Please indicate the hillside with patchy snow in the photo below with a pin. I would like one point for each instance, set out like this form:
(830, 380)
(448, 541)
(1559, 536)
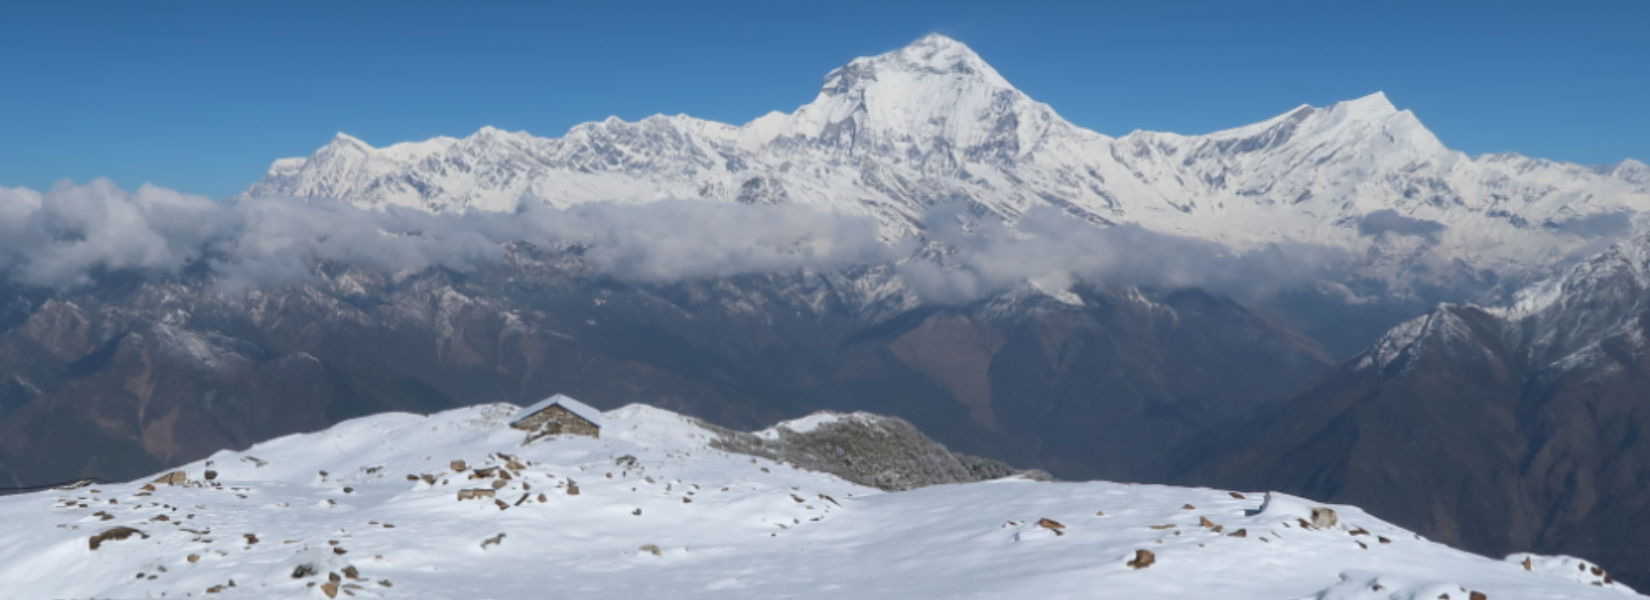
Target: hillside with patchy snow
(454, 505)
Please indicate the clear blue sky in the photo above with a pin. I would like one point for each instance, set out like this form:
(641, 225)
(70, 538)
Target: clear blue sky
(202, 96)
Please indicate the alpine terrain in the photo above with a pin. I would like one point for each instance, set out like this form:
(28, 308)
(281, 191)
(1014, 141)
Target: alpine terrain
(894, 135)
(1524, 425)
(456, 505)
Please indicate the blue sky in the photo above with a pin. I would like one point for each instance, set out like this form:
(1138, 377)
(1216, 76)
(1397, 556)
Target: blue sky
(200, 96)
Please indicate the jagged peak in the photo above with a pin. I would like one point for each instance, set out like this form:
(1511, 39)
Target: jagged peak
(933, 54)
(1373, 106)
(344, 139)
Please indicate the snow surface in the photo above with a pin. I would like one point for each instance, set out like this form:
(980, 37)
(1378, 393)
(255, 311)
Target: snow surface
(658, 513)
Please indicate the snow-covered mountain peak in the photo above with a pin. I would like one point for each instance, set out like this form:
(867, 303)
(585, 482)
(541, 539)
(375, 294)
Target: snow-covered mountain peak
(938, 54)
(1373, 106)
(890, 136)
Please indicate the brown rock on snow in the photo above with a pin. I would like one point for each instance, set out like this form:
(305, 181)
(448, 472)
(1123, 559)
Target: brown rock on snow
(1142, 559)
(1239, 533)
(1205, 522)
(457, 465)
(1324, 518)
(330, 588)
(173, 478)
(473, 493)
(114, 534)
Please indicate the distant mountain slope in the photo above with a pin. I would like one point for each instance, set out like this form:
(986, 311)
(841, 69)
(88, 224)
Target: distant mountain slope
(1489, 428)
(896, 134)
(127, 376)
(455, 505)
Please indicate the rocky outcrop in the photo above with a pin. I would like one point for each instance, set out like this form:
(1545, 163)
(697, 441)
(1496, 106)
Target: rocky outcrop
(874, 450)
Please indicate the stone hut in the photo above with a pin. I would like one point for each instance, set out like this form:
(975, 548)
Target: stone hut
(558, 415)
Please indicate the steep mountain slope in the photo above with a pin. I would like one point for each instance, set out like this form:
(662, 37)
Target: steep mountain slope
(158, 372)
(1524, 424)
(896, 134)
(455, 505)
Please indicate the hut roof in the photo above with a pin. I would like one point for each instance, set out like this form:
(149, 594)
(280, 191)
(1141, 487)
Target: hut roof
(584, 411)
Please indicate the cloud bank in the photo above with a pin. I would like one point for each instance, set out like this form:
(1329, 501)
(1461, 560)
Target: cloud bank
(67, 235)
(1054, 252)
(64, 236)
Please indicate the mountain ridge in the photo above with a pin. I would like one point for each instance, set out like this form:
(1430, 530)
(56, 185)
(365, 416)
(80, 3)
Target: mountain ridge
(895, 135)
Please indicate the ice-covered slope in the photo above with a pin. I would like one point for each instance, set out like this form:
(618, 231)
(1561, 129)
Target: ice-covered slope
(894, 134)
(373, 508)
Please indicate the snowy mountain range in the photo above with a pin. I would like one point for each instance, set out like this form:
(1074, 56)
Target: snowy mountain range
(456, 505)
(894, 135)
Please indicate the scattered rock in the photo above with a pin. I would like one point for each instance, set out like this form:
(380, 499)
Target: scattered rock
(1051, 525)
(1236, 495)
(330, 588)
(501, 505)
(173, 478)
(193, 558)
(1239, 533)
(499, 484)
(543, 498)
(251, 538)
(1205, 522)
(1188, 507)
(1382, 539)
(651, 548)
(1142, 559)
(211, 475)
(148, 487)
(473, 493)
(572, 488)
(114, 534)
(457, 466)
(492, 541)
(1324, 518)
(1477, 596)
(1528, 565)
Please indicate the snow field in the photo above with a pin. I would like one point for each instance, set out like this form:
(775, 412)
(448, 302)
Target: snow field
(650, 510)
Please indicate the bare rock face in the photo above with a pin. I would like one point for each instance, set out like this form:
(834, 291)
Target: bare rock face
(879, 451)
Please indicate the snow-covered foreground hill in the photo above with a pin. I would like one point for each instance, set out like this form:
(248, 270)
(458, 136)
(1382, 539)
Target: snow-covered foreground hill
(373, 508)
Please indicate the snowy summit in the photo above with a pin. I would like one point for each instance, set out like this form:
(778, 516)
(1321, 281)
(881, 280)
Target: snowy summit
(456, 505)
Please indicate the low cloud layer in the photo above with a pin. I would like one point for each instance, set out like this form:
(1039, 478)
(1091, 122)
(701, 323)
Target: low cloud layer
(66, 235)
(1387, 220)
(1054, 252)
(1613, 224)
